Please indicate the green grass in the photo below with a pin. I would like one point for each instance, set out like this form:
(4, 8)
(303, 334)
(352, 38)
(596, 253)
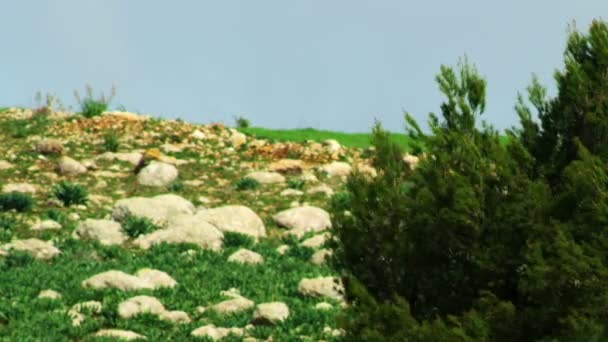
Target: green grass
(359, 140)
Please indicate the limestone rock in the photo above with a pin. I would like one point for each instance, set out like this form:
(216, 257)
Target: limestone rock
(287, 166)
(245, 256)
(50, 294)
(128, 116)
(329, 287)
(119, 334)
(107, 232)
(216, 333)
(68, 166)
(46, 225)
(291, 192)
(130, 157)
(265, 177)
(19, 187)
(234, 218)
(301, 220)
(184, 229)
(157, 174)
(321, 188)
(233, 305)
(158, 209)
(270, 313)
(50, 146)
(336, 169)
(237, 138)
(39, 249)
(140, 304)
(321, 256)
(332, 146)
(126, 282)
(4, 165)
(316, 241)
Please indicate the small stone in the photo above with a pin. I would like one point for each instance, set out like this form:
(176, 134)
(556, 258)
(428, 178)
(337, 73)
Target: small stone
(19, 187)
(70, 167)
(245, 256)
(282, 249)
(50, 294)
(50, 146)
(321, 256)
(46, 225)
(270, 313)
(119, 334)
(323, 306)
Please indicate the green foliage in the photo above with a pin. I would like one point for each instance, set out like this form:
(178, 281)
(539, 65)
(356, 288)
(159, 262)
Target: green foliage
(297, 184)
(18, 201)
(111, 142)
(18, 129)
(232, 239)
(91, 107)
(479, 242)
(246, 184)
(7, 227)
(135, 226)
(176, 186)
(70, 194)
(577, 113)
(241, 122)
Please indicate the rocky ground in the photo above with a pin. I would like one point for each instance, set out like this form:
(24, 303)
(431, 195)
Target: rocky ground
(225, 260)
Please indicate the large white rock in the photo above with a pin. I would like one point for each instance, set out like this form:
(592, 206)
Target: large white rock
(50, 294)
(157, 174)
(138, 305)
(321, 256)
(336, 168)
(288, 166)
(216, 333)
(316, 241)
(46, 225)
(4, 165)
(233, 305)
(126, 282)
(39, 249)
(128, 116)
(270, 313)
(329, 287)
(237, 138)
(130, 157)
(158, 209)
(265, 177)
(19, 187)
(49, 146)
(107, 232)
(234, 218)
(70, 167)
(245, 256)
(304, 219)
(184, 229)
(119, 334)
(332, 146)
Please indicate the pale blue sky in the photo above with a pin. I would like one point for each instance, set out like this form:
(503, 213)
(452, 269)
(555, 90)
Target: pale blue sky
(331, 64)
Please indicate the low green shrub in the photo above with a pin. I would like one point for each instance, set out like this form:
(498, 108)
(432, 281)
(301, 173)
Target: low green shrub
(242, 122)
(135, 226)
(18, 201)
(232, 239)
(91, 107)
(297, 184)
(176, 186)
(69, 193)
(246, 184)
(111, 142)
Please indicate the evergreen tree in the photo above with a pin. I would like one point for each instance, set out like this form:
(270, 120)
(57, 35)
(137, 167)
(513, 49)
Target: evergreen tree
(481, 242)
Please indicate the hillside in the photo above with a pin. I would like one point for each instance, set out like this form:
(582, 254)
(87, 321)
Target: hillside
(166, 236)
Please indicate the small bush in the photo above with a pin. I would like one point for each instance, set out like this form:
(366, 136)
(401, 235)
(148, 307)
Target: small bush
(18, 259)
(241, 122)
(135, 226)
(176, 186)
(297, 184)
(69, 193)
(300, 252)
(91, 107)
(247, 184)
(232, 239)
(341, 201)
(16, 200)
(7, 227)
(111, 142)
